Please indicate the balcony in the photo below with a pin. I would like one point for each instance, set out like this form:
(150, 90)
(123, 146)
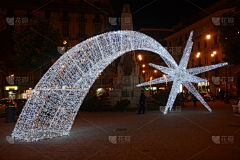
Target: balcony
(65, 19)
(97, 20)
(81, 20)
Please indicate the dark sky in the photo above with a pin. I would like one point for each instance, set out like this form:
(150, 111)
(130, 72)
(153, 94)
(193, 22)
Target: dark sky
(159, 13)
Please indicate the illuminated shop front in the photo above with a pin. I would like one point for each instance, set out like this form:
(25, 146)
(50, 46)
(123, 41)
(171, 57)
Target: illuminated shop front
(16, 92)
(11, 91)
(203, 87)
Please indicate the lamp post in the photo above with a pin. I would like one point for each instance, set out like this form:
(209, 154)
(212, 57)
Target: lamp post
(227, 99)
(150, 85)
(165, 77)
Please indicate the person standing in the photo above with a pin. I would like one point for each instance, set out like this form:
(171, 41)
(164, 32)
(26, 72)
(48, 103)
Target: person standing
(142, 103)
(221, 95)
(195, 101)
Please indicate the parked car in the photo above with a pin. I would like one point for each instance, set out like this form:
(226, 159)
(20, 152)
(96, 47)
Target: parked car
(3, 103)
(20, 104)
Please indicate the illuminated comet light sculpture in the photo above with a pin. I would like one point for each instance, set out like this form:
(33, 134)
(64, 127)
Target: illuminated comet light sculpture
(180, 75)
(56, 99)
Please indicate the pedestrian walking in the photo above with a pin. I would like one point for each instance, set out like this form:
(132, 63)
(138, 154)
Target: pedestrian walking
(142, 103)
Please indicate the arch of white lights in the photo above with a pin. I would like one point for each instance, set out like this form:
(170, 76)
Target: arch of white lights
(51, 110)
(53, 105)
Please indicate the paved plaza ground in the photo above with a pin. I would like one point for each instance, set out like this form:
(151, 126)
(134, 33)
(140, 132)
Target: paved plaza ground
(126, 135)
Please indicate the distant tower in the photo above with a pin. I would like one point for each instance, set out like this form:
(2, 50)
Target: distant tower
(126, 18)
(128, 69)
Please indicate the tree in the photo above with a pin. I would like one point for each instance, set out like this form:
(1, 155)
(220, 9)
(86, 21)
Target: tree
(36, 44)
(6, 54)
(230, 37)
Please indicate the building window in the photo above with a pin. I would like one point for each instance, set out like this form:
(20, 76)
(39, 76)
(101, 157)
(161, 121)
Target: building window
(175, 41)
(204, 28)
(216, 58)
(200, 75)
(65, 1)
(215, 40)
(192, 63)
(198, 45)
(81, 15)
(82, 31)
(180, 40)
(205, 43)
(198, 31)
(199, 61)
(29, 13)
(97, 3)
(216, 73)
(65, 30)
(186, 37)
(47, 14)
(160, 36)
(97, 29)
(170, 44)
(97, 16)
(80, 2)
(82, 18)
(206, 61)
(206, 74)
(97, 19)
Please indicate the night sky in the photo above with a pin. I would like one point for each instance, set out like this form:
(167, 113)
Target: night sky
(159, 13)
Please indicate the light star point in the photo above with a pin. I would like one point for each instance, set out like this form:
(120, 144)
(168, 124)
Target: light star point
(181, 75)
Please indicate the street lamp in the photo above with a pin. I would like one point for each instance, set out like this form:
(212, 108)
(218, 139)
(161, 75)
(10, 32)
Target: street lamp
(165, 77)
(214, 53)
(140, 57)
(64, 42)
(150, 85)
(198, 55)
(208, 36)
(143, 65)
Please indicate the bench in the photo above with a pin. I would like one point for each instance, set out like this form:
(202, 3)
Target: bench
(236, 108)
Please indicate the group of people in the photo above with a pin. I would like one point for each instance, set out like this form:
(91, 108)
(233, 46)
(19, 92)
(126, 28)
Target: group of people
(143, 97)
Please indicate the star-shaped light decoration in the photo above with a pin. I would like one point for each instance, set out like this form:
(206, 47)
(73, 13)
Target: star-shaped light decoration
(181, 75)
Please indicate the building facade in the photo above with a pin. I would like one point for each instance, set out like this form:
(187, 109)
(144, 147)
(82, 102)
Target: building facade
(77, 21)
(145, 57)
(207, 49)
